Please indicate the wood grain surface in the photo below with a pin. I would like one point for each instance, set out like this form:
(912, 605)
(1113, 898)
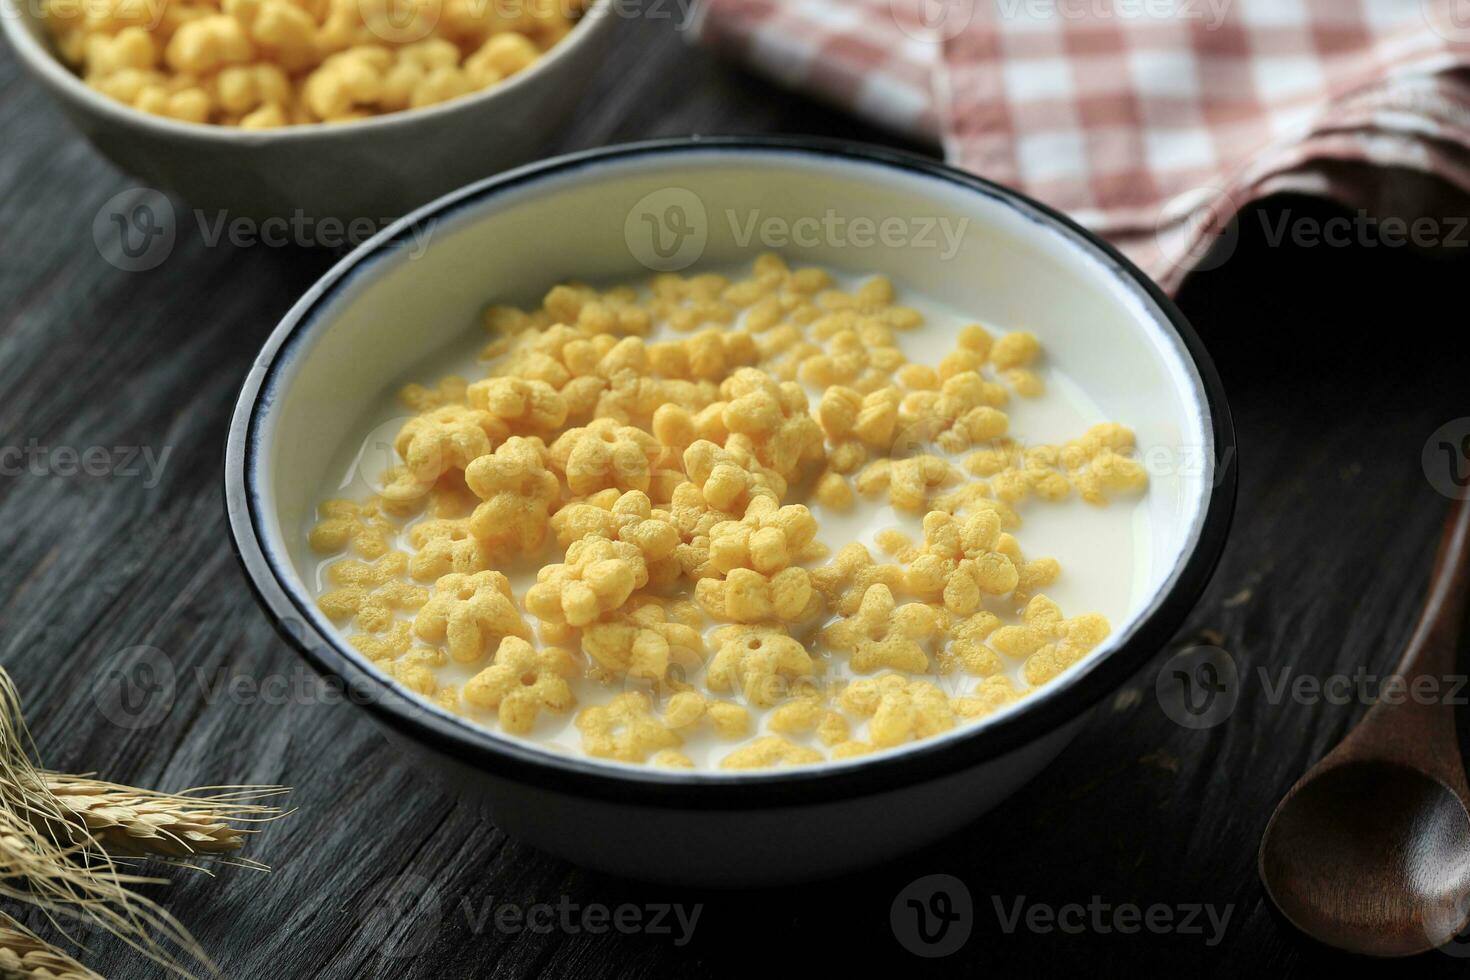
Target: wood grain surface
(1340, 363)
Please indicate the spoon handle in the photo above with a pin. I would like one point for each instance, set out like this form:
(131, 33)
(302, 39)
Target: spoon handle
(1413, 720)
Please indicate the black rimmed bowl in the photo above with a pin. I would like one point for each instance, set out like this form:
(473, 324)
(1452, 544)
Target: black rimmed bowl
(613, 214)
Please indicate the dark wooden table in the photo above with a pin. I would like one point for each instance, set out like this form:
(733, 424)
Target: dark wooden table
(1340, 363)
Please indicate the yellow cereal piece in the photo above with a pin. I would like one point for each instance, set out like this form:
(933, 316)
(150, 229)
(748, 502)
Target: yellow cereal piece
(643, 642)
(370, 594)
(967, 649)
(598, 576)
(908, 482)
(445, 439)
(728, 479)
(605, 454)
(472, 614)
(449, 391)
(883, 634)
(1049, 642)
(445, 546)
(671, 759)
(845, 581)
(687, 709)
(898, 710)
(361, 528)
(962, 561)
(1015, 350)
(521, 682)
(384, 646)
(624, 729)
(518, 492)
(759, 662)
(629, 517)
(833, 492)
(524, 406)
(773, 419)
(989, 696)
(770, 751)
(747, 596)
(1026, 383)
(767, 539)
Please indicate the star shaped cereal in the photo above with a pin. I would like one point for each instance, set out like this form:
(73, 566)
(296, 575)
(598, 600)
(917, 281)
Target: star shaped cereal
(624, 729)
(967, 648)
(760, 662)
(727, 478)
(883, 634)
(747, 596)
(449, 391)
(852, 572)
(436, 442)
(521, 682)
(767, 539)
(899, 710)
(371, 593)
(472, 612)
(643, 642)
(773, 418)
(1047, 641)
(605, 454)
(628, 517)
(908, 481)
(445, 546)
(597, 577)
(809, 714)
(989, 696)
(1097, 465)
(869, 421)
(964, 411)
(962, 561)
(518, 493)
(360, 527)
(525, 407)
(770, 751)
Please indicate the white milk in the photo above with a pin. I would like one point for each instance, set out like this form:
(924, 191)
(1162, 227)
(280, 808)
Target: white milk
(1102, 550)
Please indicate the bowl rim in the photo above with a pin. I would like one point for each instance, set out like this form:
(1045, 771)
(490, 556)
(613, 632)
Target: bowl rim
(44, 62)
(1045, 712)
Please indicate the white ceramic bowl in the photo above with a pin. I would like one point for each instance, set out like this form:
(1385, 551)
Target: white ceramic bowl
(376, 168)
(358, 333)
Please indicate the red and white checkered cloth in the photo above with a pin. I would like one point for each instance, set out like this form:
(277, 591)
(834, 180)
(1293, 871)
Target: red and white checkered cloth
(1151, 122)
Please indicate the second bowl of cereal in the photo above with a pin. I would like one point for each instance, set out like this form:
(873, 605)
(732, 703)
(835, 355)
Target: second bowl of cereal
(768, 509)
(344, 109)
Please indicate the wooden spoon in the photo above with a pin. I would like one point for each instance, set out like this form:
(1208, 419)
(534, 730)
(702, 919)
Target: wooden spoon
(1370, 851)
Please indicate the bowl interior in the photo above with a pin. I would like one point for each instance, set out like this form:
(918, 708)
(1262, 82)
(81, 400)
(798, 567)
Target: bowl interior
(378, 321)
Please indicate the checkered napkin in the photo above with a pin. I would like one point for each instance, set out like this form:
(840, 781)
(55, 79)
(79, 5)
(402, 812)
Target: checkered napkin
(1151, 122)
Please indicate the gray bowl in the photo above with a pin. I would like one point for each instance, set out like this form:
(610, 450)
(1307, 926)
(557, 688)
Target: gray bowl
(373, 168)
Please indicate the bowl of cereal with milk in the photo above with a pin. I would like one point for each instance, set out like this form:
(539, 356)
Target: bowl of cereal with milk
(686, 502)
(325, 108)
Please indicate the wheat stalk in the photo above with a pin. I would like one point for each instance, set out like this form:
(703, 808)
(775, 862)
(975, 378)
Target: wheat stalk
(197, 823)
(25, 955)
